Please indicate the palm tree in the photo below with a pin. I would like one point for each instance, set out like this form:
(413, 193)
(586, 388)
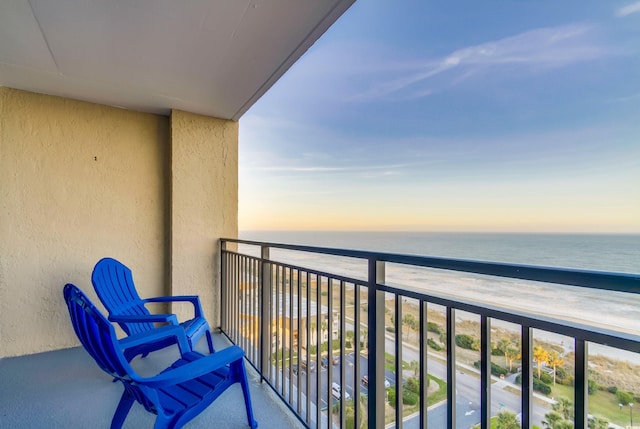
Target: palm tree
(551, 420)
(541, 356)
(350, 335)
(414, 365)
(511, 354)
(502, 347)
(365, 337)
(507, 420)
(313, 327)
(410, 321)
(564, 407)
(555, 361)
(598, 423)
(323, 328)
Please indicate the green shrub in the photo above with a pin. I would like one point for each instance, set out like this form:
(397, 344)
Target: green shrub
(412, 385)
(546, 378)
(592, 387)
(612, 389)
(465, 341)
(409, 398)
(541, 387)
(537, 385)
(496, 369)
(624, 397)
(435, 346)
(433, 327)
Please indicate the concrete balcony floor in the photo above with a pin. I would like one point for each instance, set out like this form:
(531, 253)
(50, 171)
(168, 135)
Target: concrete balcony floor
(66, 389)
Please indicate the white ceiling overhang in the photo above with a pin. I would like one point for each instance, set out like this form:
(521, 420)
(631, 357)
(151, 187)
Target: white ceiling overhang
(212, 57)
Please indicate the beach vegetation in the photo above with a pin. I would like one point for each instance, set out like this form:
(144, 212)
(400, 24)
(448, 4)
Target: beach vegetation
(466, 342)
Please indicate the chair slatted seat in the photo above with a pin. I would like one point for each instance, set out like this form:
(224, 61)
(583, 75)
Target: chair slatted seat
(178, 393)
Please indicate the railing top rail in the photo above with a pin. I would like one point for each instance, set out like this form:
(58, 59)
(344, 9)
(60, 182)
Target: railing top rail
(620, 282)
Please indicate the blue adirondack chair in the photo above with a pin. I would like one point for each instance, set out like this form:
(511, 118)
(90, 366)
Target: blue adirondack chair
(113, 282)
(177, 394)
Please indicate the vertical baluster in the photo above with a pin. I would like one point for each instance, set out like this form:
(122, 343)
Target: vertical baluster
(266, 311)
(343, 360)
(424, 378)
(330, 345)
(398, 377)
(376, 322)
(308, 343)
(299, 348)
(223, 285)
(527, 376)
(283, 315)
(485, 372)
(318, 348)
(451, 368)
(581, 391)
(291, 313)
(278, 318)
(356, 357)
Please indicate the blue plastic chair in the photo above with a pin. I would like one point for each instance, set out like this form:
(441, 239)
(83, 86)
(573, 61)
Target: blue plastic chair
(113, 282)
(177, 394)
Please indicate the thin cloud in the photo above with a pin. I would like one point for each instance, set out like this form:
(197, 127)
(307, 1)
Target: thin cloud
(324, 169)
(628, 10)
(543, 48)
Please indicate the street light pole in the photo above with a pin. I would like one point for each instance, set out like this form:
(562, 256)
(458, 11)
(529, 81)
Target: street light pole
(631, 414)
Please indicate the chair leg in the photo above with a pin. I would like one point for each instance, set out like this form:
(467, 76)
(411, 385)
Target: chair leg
(126, 401)
(239, 367)
(210, 342)
(163, 423)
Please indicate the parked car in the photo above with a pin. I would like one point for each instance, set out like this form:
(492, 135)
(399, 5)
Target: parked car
(324, 362)
(365, 382)
(336, 390)
(311, 366)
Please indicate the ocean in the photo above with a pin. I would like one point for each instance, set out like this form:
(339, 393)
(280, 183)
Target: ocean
(596, 252)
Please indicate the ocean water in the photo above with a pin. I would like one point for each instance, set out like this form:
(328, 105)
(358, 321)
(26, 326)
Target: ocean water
(596, 252)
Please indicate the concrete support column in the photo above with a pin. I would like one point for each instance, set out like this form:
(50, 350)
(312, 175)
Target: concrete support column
(204, 206)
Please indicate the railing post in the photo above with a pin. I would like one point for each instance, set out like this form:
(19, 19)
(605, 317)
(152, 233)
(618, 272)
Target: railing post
(223, 286)
(485, 372)
(265, 313)
(376, 339)
(451, 368)
(527, 376)
(581, 386)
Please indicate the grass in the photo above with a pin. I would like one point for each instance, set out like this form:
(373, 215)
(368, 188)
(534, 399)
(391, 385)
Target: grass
(601, 404)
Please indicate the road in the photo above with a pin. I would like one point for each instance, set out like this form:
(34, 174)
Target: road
(467, 389)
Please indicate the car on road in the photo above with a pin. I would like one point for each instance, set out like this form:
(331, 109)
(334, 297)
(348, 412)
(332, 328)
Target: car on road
(325, 361)
(307, 365)
(304, 366)
(365, 382)
(336, 390)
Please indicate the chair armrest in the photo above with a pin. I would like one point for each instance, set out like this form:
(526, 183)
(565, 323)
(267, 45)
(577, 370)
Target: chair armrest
(197, 368)
(193, 299)
(151, 318)
(160, 333)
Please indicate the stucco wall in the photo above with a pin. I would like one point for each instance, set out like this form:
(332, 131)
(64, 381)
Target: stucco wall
(204, 205)
(78, 181)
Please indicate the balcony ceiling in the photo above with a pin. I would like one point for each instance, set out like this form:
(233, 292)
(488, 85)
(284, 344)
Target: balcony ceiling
(213, 57)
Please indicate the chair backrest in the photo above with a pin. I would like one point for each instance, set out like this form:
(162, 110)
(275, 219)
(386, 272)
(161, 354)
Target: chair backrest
(95, 332)
(113, 282)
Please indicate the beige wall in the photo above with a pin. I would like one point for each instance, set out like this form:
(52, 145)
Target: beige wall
(79, 181)
(204, 162)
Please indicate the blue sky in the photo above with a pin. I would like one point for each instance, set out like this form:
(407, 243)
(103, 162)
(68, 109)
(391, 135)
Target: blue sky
(453, 116)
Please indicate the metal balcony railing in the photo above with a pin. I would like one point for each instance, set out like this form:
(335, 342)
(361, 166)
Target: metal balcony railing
(332, 346)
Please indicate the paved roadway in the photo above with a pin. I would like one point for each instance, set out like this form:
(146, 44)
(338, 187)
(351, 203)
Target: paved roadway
(467, 389)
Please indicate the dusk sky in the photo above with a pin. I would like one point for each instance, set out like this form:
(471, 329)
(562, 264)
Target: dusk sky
(453, 116)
